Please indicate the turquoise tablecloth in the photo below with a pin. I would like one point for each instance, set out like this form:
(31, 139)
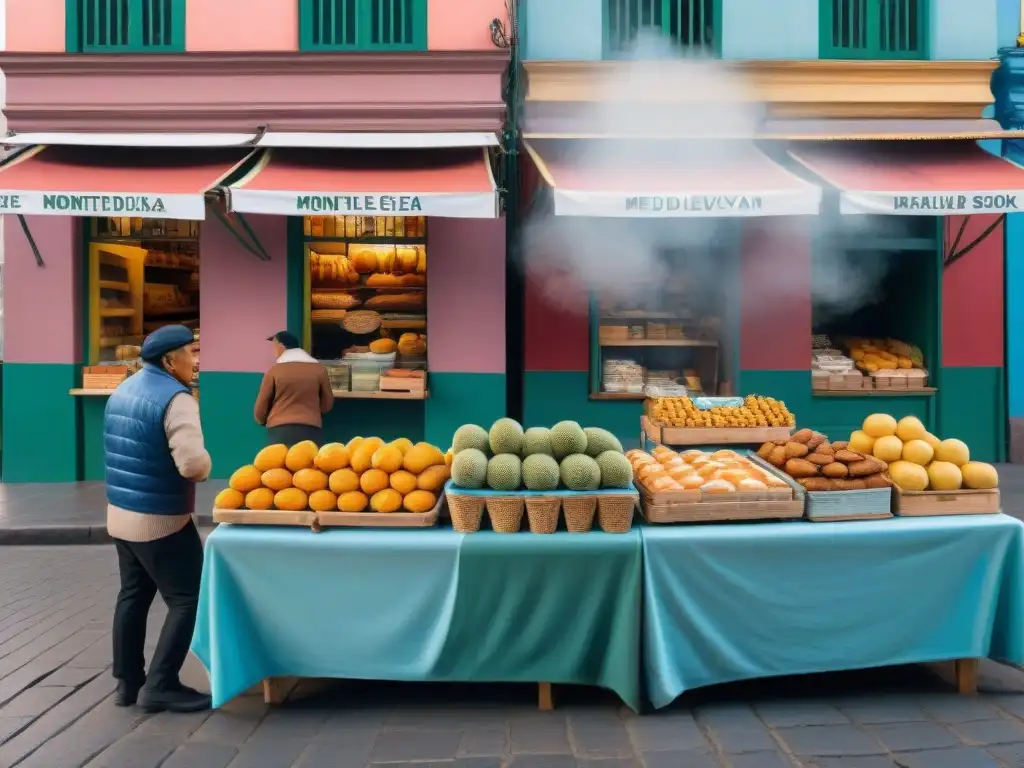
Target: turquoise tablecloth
(733, 602)
(420, 605)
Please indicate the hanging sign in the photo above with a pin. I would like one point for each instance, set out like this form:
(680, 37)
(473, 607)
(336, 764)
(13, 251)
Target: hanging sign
(471, 205)
(793, 202)
(146, 206)
(932, 203)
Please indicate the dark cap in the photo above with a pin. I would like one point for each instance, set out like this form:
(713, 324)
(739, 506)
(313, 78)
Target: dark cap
(164, 340)
(285, 339)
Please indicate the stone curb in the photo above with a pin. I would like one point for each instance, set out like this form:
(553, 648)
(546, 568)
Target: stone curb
(60, 535)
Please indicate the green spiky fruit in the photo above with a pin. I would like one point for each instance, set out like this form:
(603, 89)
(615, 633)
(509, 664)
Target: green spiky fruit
(601, 440)
(580, 473)
(537, 440)
(541, 472)
(470, 436)
(504, 472)
(616, 471)
(567, 437)
(469, 468)
(506, 436)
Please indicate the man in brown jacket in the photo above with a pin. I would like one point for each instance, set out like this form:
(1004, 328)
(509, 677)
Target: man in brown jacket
(294, 395)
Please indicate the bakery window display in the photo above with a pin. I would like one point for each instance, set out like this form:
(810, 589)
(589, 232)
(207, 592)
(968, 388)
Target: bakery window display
(142, 274)
(660, 336)
(367, 297)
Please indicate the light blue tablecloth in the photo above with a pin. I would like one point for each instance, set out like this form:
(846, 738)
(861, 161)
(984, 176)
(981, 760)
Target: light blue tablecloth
(734, 602)
(427, 604)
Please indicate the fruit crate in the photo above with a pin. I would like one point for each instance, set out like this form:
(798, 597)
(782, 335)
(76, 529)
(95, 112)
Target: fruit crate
(382, 519)
(837, 506)
(302, 519)
(697, 436)
(939, 503)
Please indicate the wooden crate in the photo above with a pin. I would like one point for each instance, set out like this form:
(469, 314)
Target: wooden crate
(304, 519)
(712, 435)
(411, 384)
(613, 332)
(936, 503)
(103, 376)
(381, 519)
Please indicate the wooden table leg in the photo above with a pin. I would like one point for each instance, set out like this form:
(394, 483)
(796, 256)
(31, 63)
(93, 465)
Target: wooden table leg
(966, 675)
(545, 698)
(276, 689)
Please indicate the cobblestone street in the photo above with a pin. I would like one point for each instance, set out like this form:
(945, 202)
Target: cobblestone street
(56, 709)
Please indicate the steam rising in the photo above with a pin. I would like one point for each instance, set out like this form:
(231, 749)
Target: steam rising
(623, 259)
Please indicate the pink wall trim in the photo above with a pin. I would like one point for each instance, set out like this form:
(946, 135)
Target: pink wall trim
(462, 25)
(242, 25)
(466, 295)
(242, 300)
(42, 305)
(35, 26)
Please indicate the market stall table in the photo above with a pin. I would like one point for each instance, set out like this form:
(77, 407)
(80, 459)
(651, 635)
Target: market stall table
(724, 603)
(420, 605)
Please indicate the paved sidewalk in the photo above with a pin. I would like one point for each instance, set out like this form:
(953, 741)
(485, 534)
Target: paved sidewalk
(75, 513)
(56, 710)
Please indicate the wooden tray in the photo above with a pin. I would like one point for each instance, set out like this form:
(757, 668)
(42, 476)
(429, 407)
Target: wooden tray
(671, 436)
(305, 519)
(381, 519)
(833, 506)
(936, 503)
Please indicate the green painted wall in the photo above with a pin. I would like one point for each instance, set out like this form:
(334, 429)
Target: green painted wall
(462, 398)
(971, 407)
(41, 440)
(386, 419)
(91, 415)
(225, 403)
(552, 396)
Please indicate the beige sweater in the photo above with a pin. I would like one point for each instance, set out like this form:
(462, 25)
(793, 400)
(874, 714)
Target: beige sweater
(185, 439)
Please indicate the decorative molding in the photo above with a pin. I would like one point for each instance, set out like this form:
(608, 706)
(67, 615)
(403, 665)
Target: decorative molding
(794, 89)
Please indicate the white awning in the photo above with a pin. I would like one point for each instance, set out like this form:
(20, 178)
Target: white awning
(131, 139)
(376, 140)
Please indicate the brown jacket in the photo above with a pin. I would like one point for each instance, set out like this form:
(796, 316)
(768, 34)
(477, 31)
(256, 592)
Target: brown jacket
(295, 390)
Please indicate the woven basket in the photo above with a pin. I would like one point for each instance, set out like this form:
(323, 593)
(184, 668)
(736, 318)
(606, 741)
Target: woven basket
(506, 513)
(542, 513)
(615, 513)
(579, 513)
(466, 512)
(361, 321)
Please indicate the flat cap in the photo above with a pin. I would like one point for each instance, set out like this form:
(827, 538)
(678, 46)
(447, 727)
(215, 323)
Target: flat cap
(164, 340)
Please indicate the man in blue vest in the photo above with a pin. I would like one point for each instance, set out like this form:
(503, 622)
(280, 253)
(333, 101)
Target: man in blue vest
(155, 454)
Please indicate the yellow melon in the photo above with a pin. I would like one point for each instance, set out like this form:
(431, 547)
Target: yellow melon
(954, 451)
(944, 476)
(421, 456)
(433, 478)
(229, 498)
(403, 482)
(879, 425)
(387, 458)
(343, 481)
(448, 458)
(910, 477)
(932, 440)
(353, 501)
(918, 452)
(245, 479)
(309, 480)
(354, 443)
(910, 428)
(362, 459)
(979, 475)
(331, 458)
(403, 444)
(888, 448)
(301, 456)
(271, 457)
(419, 501)
(323, 501)
(862, 442)
(373, 480)
(277, 479)
(291, 500)
(387, 500)
(261, 498)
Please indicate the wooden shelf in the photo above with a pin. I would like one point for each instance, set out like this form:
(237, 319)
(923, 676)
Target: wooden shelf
(660, 343)
(617, 396)
(117, 341)
(115, 285)
(910, 392)
(645, 316)
(171, 311)
(117, 312)
(348, 395)
(181, 267)
(91, 392)
(135, 239)
(420, 324)
(365, 240)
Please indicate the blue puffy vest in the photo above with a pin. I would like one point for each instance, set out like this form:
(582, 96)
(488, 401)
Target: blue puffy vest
(141, 473)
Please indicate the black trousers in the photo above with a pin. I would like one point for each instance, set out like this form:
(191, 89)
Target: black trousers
(290, 434)
(172, 566)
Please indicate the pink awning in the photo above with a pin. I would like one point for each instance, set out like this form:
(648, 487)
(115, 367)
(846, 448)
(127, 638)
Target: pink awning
(920, 178)
(668, 179)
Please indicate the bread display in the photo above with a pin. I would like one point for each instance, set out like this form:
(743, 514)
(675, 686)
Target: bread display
(819, 465)
(722, 471)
